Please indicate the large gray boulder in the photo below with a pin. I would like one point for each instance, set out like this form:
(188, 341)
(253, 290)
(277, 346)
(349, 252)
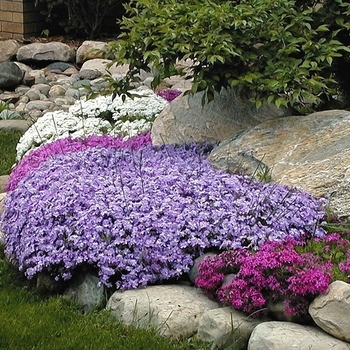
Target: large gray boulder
(8, 49)
(226, 327)
(186, 120)
(53, 51)
(331, 311)
(173, 310)
(310, 152)
(10, 75)
(288, 336)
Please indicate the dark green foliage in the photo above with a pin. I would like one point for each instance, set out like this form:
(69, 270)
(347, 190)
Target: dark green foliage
(288, 52)
(8, 142)
(85, 18)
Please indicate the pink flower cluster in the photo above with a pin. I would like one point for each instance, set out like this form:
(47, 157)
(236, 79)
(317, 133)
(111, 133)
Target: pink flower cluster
(275, 272)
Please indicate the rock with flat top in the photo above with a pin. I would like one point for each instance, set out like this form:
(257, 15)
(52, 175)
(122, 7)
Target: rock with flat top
(52, 51)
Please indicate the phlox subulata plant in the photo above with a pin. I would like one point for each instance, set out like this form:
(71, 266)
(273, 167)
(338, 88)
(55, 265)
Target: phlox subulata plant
(141, 216)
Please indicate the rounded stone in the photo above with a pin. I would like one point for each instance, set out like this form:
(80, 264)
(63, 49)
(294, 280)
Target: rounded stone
(35, 114)
(62, 102)
(21, 108)
(42, 88)
(22, 89)
(74, 93)
(89, 74)
(59, 66)
(70, 71)
(33, 95)
(81, 83)
(10, 75)
(24, 99)
(8, 49)
(57, 90)
(39, 105)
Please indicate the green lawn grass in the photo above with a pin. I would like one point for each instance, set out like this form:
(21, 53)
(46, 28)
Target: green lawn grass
(8, 142)
(29, 321)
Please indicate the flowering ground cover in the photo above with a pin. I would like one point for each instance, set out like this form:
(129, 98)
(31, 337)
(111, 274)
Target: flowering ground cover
(138, 214)
(275, 272)
(294, 272)
(142, 216)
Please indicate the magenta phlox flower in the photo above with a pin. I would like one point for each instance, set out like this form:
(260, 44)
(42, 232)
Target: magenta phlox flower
(275, 272)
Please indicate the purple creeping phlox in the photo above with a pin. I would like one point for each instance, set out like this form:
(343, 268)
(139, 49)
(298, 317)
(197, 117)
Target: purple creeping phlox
(275, 272)
(68, 145)
(140, 216)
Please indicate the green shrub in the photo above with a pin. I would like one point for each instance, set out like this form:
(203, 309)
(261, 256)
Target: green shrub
(84, 18)
(288, 52)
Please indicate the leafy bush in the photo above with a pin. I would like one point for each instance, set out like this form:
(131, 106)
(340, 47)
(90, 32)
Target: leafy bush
(80, 17)
(289, 52)
(142, 216)
(275, 272)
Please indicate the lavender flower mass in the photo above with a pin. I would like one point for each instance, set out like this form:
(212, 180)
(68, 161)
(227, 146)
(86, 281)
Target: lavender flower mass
(68, 145)
(140, 216)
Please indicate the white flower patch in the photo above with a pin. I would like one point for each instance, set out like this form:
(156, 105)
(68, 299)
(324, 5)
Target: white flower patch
(130, 129)
(147, 106)
(56, 125)
(91, 108)
(132, 116)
